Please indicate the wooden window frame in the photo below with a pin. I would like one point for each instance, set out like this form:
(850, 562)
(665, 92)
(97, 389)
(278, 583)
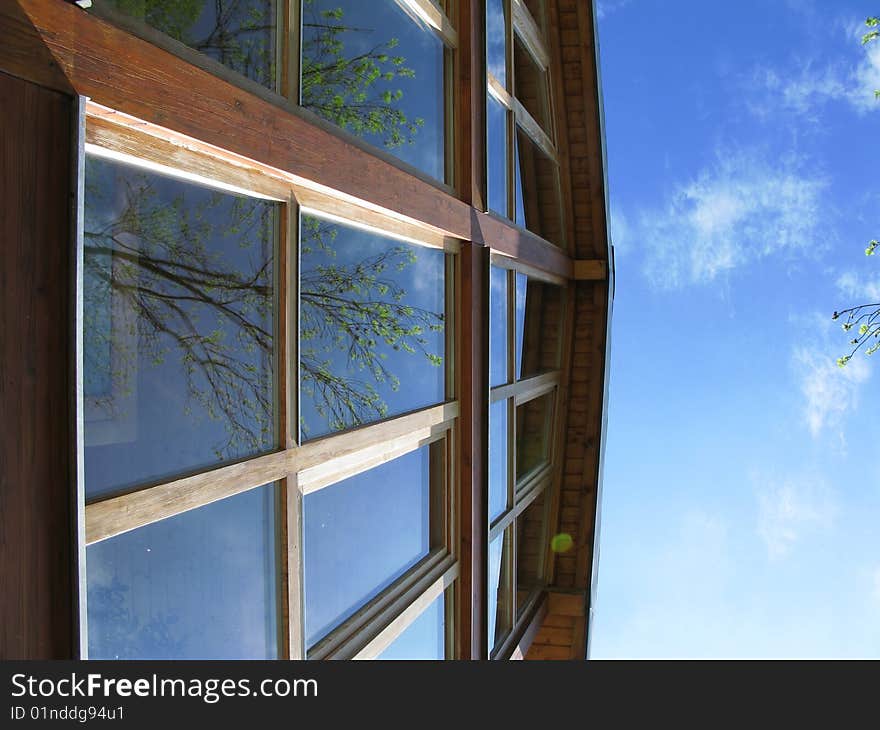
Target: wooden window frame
(521, 26)
(300, 469)
(523, 490)
(286, 92)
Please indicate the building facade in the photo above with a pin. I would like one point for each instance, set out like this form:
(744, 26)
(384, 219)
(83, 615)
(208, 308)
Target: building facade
(305, 313)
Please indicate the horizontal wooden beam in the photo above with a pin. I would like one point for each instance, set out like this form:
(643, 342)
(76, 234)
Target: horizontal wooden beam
(85, 55)
(318, 463)
(590, 270)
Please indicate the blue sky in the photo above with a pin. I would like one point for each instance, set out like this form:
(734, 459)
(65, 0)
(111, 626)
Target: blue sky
(741, 502)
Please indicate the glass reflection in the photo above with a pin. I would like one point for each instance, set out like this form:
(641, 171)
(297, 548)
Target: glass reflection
(497, 459)
(496, 151)
(496, 39)
(371, 320)
(376, 71)
(424, 638)
(499, 594)
(240, 34)
(522, 283)
(531, 86)
(498, 327)
(178, 325)
(537, 193)
(361, 534)
(533, 434)
(200, 585)
(530, 545)
(538, 319)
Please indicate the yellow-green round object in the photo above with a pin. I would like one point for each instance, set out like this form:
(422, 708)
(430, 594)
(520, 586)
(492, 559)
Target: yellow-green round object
(561, 543)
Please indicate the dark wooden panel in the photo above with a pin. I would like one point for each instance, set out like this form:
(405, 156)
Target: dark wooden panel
(36, 525)
(474, 443)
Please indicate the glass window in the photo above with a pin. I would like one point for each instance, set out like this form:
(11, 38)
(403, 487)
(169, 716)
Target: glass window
(538, 320)
(531, 86)
(499, 594)
(376, 71)
(178, 326)
(200, 585)
(537, 199)
(371, 327)
(240, 34)
(530, 544)
(498, 349)
(533, 421)
(496, 151)
(424, 638)
(361, 535)
(496, 39)
(498, 452)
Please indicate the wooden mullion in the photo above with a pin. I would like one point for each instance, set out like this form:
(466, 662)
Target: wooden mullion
(530, 34)
(351, 636)
(384, 638)
(526, 390)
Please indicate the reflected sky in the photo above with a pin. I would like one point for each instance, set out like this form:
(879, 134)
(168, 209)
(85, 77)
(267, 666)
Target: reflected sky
(361, 535)
(498, 326)
(177, 327)
(372, 321)
(240, 34)
(496, 155)
(494, 584)
(376, 71)
(200, 585)
(496, 54)
(522, 283)
(497, 458)
(424, 638)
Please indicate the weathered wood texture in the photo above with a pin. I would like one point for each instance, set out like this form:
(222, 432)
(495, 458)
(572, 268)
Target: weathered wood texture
(37, 582)
(473, 368)
(564, 635)
(125, 73)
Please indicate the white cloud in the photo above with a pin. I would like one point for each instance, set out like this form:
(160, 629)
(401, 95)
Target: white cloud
(810, 84)
(604, 8)
(829, 392)
(739, 210)
(791, 509)
(858, 288)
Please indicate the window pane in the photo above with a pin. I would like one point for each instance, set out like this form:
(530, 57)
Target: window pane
(497, 459)
(371, 327)
(538, 206)
(377, 72)
(240, 34)
(496, 45)
(200, 585)
(530, 545)
(496, 151)
(539, 318)
(533, 434)
(498, 327)
(178, 322)
(424, 638)
(499, 594)
(522, 283)
(531, 86)
(361, 535)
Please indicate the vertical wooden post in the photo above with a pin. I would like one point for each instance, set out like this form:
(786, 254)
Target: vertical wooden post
(38, 566)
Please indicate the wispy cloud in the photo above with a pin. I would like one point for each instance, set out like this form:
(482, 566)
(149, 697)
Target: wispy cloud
(807, 84)
(790, 509)
(829, 393)
(857, 288)
(736, 211)
(604, 8)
